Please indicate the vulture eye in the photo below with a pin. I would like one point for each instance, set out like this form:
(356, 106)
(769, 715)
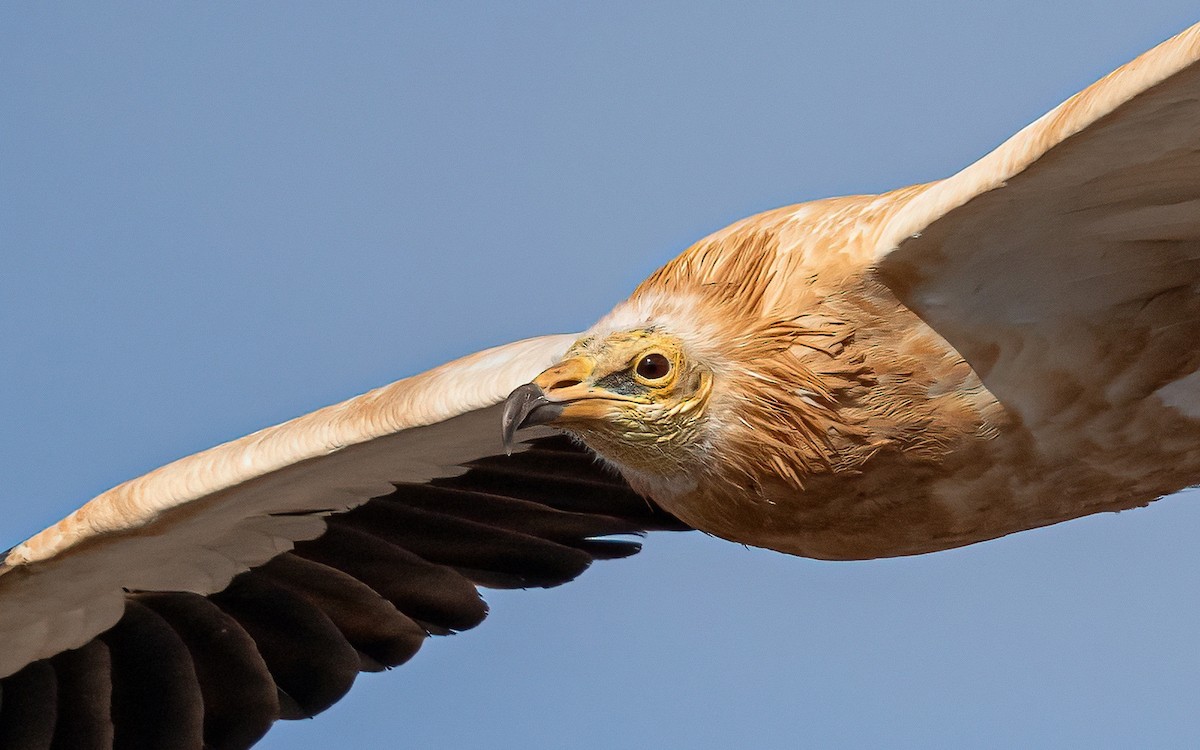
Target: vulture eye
(653, 367)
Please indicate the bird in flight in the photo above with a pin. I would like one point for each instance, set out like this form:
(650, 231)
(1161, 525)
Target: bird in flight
(853, 378)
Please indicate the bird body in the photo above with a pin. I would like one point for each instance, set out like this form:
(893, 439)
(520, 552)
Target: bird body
(910, 451)
(857, 377)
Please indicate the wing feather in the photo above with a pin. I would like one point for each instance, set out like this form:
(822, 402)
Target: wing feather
(156, 699)
(83, 715)
(29, 708)
(1065, 265)
(240, 698)
(196, 523)
(308, 657)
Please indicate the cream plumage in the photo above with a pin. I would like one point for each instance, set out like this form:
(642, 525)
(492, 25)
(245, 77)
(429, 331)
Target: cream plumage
(840, 420)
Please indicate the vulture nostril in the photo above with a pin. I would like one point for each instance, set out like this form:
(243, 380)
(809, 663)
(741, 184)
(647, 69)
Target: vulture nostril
(565, 384)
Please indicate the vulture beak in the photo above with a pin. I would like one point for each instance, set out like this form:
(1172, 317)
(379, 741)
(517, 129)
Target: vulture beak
(525, 407)
(544, 400)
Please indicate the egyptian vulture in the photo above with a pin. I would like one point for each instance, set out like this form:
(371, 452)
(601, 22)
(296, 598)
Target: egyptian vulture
(852, 378)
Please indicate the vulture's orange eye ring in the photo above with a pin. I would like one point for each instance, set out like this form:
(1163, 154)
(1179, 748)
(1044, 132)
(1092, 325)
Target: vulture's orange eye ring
(653, 366)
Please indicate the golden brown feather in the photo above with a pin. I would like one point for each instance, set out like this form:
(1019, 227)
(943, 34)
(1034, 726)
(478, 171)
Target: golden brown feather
(824, 389)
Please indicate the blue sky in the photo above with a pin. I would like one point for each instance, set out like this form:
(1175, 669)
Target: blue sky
(216, 217)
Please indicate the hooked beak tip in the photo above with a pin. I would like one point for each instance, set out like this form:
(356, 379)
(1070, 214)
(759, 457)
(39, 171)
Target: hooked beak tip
(526, 406)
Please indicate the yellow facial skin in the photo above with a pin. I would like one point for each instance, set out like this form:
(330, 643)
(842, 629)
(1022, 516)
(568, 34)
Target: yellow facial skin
(633, 397)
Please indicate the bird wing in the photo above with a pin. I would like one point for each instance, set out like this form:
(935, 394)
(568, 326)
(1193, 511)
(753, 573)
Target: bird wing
(1064, 266)
(253, 581)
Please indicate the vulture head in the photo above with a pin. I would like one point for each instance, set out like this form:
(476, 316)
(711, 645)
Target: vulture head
(699, 386)
(639, 398)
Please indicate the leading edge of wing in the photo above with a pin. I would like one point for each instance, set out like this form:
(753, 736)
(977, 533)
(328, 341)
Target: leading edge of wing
(1036, 139)
(473, 382)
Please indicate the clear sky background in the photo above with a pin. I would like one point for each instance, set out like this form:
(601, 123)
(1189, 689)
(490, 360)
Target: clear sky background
(217, 217)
